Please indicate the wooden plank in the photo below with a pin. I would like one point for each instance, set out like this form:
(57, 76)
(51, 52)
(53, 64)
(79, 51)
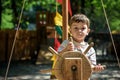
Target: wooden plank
(2, 45)
(74, 70)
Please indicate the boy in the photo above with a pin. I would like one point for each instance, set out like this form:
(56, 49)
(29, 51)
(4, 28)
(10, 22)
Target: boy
(79, 29)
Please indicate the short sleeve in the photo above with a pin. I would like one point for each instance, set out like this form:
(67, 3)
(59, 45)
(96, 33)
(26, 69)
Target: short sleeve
(92, 56)
(63, 45)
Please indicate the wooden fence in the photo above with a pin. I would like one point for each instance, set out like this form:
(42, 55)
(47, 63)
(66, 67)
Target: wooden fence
(28, 42)
(24, 46)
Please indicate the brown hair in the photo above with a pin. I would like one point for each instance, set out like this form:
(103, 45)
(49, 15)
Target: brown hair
(80, 18)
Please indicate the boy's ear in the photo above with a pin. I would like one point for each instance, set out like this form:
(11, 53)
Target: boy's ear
(88, 31)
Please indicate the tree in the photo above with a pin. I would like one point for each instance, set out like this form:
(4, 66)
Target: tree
(6, 15)
(112, 11)
(0, 13)
(10, 11)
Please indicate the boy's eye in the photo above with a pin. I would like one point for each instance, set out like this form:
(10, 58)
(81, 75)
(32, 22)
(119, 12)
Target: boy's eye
(76, 28)
(82, 28)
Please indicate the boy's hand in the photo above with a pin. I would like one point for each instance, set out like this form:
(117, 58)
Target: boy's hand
(98, 68)
(70, 46)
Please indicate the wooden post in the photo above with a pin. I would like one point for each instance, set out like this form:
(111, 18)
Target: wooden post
(65, 19)
(74, 70)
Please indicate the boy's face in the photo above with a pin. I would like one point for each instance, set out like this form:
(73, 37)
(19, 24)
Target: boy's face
(79, 31)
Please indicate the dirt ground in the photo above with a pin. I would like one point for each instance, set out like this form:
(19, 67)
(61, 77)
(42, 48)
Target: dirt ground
(25, 70)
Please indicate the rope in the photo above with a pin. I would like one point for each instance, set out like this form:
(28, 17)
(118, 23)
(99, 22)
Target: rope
(110, 33)
(8, 66)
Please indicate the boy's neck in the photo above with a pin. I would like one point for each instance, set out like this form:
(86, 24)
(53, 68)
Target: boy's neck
(79, 43)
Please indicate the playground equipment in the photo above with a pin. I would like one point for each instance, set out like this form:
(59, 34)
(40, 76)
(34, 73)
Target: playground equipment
(72, 65)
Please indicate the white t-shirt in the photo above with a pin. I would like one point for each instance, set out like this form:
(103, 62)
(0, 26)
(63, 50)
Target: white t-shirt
(81, 47)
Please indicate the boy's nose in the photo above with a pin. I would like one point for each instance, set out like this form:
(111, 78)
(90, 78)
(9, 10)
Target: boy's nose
(79, 30)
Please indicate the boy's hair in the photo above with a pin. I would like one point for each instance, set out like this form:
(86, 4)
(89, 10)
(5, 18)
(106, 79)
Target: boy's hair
(80, 18)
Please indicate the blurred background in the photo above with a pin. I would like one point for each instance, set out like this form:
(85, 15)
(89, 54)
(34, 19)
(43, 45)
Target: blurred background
(39, 29)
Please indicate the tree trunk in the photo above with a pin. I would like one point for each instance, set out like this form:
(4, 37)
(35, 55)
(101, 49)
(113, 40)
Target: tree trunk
(0, 13)
(92, 7)
(15, 13)
(82, 6)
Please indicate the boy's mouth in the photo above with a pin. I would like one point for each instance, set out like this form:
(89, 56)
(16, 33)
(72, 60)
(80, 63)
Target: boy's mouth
(79, 35)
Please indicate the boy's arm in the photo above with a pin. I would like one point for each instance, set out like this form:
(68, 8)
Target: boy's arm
(98, 68)
(66, 46)
(69, 47)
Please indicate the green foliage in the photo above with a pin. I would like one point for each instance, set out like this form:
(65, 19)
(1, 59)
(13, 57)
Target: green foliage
(115, 24)
(45, 5)
(31, 6)
(93, 9)
(6, 17)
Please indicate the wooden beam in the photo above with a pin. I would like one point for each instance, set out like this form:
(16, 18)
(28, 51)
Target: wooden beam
(65, 19)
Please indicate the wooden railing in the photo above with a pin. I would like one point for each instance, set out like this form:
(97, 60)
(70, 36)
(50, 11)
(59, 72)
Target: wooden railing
(24, 46)
(27, 43)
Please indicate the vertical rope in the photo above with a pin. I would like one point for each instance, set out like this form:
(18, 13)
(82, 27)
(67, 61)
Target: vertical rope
(110, 33)
(8, 66)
